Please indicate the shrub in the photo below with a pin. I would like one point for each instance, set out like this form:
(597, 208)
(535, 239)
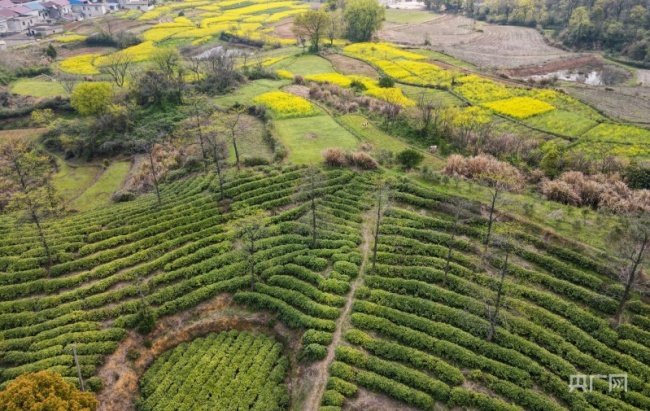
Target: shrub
(122, 196)
(314, 352)
(42, 389)
(256, 161)
(409, 158)
(332, 397)
(145, 321)
(363, 161)
(358, 85)
(335, 157)
(386, 82)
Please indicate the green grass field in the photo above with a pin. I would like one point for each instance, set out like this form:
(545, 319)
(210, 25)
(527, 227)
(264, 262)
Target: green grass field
(72, 181)
(562, 122)
(305, 65)
(440, 97)
(246, 93)
(381, 140)
(37, 88)
(99, 194)
(408, 16)
(251, 145)
(307, 138)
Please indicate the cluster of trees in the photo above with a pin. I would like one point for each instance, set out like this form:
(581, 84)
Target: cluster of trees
(45, 390)
(622, 26)
(357, 20)
(123, 118)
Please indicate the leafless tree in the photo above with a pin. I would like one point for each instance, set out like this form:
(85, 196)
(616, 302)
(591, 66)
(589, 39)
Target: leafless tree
(493, 312)
(632, 246)
(236, 125)
(117, 67)
(311, 184)
(460, 208)
(251, 229)
(383, 198)
(67, 81)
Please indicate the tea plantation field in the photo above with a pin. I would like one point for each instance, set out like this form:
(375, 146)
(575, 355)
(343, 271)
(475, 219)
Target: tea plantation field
(406, 330)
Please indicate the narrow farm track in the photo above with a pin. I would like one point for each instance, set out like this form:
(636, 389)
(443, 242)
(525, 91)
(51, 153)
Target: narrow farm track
(313, 402)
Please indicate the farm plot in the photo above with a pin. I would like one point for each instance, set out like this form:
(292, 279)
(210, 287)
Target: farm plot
(100, 192)
(418, 331)
(306, 140)
(562, 122)
(617, 139)
(622, 104)
(231, 370)
(494, 46)
(246, 93)
(37, 88)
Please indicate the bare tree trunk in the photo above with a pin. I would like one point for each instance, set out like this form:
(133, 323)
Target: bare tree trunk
(218, 164)
(252, 262)
(76, 361)
(200, 130)
(313, 221)
(33, 213)
(234, 143)
(153, 174)
(41, 234)
(495, 315)
(495, 194)
(630, 279)
(374, 248)
(450, 247)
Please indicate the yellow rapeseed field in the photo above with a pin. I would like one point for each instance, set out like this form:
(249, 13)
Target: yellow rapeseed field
(285, 105)
(520, 107)
(81, 65)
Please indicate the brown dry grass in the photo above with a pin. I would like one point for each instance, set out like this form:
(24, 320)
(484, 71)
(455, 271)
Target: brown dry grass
(643, 77)
(367, 400)
(350, 66)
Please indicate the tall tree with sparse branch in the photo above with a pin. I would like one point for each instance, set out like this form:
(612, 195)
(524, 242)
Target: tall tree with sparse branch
(117, 67)
(493, 313)
(313, 181)
(27, 181)
(251, 229)
(236, 126)
(460, 207)
(632, 246)
(382, 197)
(67, 81)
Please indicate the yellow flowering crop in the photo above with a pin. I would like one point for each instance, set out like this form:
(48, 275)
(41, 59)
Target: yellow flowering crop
(219, 19)
(275, 17)
(520, 107)
(131, 14)
(70, 38)
(333, 78)
(428, 74)
(391, 95)
(483, 91)
(155, 13)
(285, 105)
(384, 51)
(82, 64)
(159, 34)
(140, 52)
(284, 74)
(201, 40)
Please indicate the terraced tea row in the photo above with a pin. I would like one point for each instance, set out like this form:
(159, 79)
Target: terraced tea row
(176, 255)
(421, 319)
